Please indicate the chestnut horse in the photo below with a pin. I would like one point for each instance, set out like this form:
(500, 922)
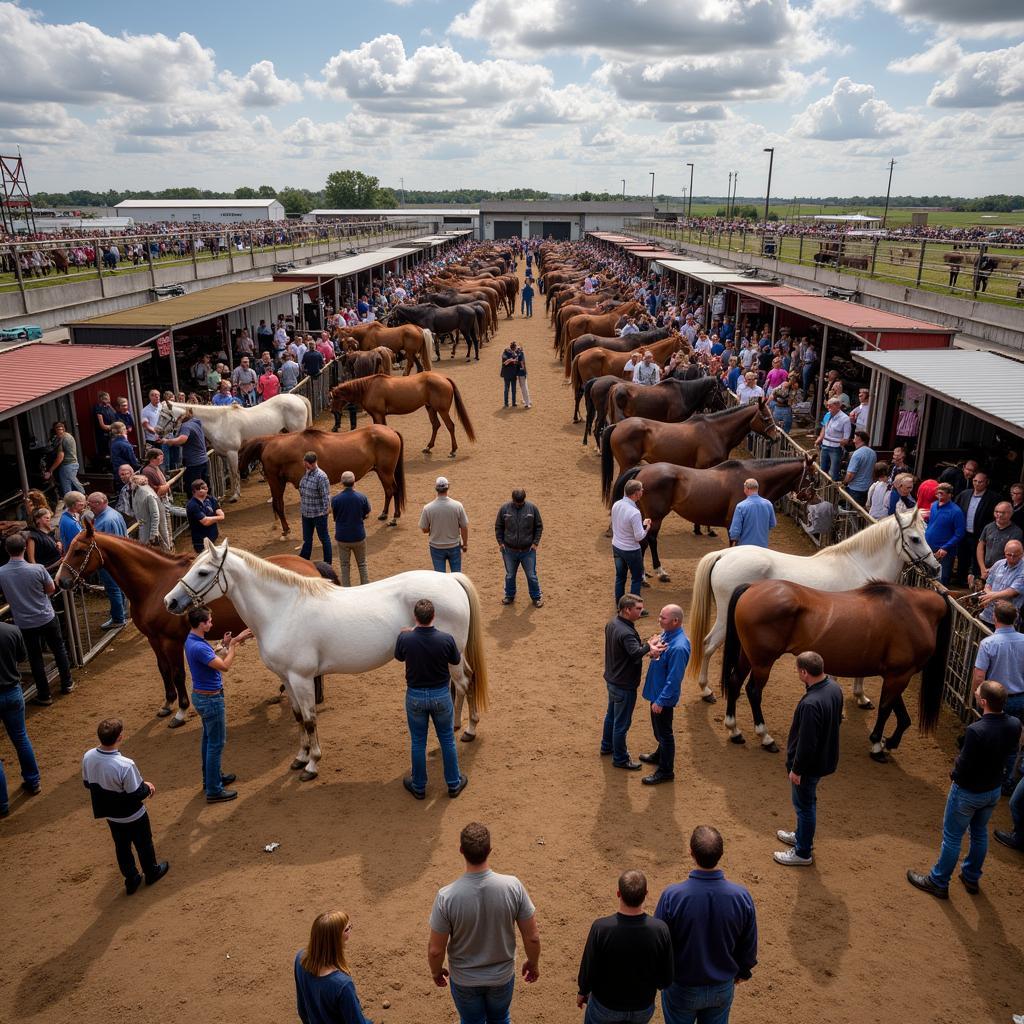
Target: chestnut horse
(595, 401)
(708, 497)
(628, 343)
(879, 629)
(375, 447)
(145, 574)
(413, 342)
(382, 395)
(700, 443)
(671, 401)
(587, 323)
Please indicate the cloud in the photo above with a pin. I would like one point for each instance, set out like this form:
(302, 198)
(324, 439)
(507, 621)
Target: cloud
(988, 79)
(260, 86)
(851, 111)
(170, 121)
(956, 12)
(570, 105)
(687, 112)
(938, 57)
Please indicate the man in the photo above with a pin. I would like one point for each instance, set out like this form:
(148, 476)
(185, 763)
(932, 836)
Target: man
(289, 372)
(749, 391)
(12, 713)
(1001, 657)
(833, 437)
(752, 519)
(446, 523)
(627, 958)
(314, 505)
(65, 461)
(647, 372)
(103, 416)
(945, 530)
(811, 753)
(27, 588)
(993, 539)
(206, 667)
(203, 513)
(427, 653)
(150, 417)
(313, 363)
(860, 470)
(1015, 839)
(624, 653)
(118, 791)
(243, 378)
(713, 926)
(1017, 505)
(902, 494)
(1005, 581)
(629, 529)
(900, 466)
(125, 491)
(350, 509)
(193, 442)
(108, 520)
(265, 336)
(960, 476)
(474, 920)
(518, 528)
(223, 396)
(526, 305)
(124, 415)
(70, 523)
(860, 415)
(978, 505)
(662, 687)
(977, 777)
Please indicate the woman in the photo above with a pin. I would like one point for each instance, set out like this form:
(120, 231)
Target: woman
(878, 492)
(524, 388)
(781, 405)
(30, 502)
(42, 546)
(776, 375)
(324, 990)
(268, 384)
(121, 451)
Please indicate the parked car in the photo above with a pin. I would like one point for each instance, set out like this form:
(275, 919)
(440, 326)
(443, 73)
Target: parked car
(22, 332)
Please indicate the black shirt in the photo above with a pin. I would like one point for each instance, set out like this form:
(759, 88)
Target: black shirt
(625, 961)
(813, 747)
(623, 654)
(518, 527)
(987, 744)
(427, 653)
(12, 650)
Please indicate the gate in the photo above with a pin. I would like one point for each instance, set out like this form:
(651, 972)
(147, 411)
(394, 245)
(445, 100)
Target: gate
(507, 229)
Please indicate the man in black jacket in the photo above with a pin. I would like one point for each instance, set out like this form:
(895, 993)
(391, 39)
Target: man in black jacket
(811, 753)
(518, 528)
(978, 504)
(624, 653)
(977, 783)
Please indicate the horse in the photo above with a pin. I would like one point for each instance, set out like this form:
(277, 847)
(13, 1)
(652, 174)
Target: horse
(701, 442)
(627, 343)
(144, 573)
(853, 631)
(382, 395)
(440, 320)
(671, 400)
(879, 552)
(229, 427)
(373, 447)
(589, 323)
(708, 497)
(306, 627)
(595, 401)
(365, 364)
(412, 342)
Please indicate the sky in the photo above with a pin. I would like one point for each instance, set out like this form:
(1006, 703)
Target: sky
(560, 95)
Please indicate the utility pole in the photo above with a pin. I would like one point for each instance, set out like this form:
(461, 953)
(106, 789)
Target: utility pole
(652, 186)
(689, 208)
(623, 188)
(888, 189)
(735, 182)
(728, 195)
(402, 180)
(770, 150)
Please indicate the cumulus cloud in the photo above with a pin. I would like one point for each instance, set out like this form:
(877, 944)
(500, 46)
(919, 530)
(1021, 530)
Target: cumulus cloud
(988, 79)
(687, 112)
(937, 58)
(850, 111)
(570, 105)
(956, 12)
(260, 86)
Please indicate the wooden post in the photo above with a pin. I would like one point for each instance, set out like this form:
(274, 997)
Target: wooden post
(920, 265)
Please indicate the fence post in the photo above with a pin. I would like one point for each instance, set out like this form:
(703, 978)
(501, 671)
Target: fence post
(976, 273)
(874, 256)
(920, 265)
(16, 259)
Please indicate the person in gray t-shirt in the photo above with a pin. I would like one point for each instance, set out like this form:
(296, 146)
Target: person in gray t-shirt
(992, 542)
(445, 520)
(474, 920)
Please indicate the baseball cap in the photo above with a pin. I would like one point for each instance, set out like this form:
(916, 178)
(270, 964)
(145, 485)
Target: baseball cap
(441, 483)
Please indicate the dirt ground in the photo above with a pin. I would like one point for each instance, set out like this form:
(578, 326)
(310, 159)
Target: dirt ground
(844, 942)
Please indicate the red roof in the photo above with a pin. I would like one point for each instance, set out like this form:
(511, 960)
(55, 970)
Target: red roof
(36, 373)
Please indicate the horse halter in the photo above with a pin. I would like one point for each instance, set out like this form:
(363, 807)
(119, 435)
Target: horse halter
(78, 575)
(197, 596)
(914, 560)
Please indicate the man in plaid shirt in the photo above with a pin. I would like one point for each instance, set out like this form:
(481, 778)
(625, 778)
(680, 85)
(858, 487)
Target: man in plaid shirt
(314, 504)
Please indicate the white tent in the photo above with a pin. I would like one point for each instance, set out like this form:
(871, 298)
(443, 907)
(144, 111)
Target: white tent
(846, 218)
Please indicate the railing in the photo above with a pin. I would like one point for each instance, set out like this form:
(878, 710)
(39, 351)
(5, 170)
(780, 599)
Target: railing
(318, 389)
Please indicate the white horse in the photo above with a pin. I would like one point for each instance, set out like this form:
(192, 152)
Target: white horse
(879, 552)
(228, 427)
(307, 627)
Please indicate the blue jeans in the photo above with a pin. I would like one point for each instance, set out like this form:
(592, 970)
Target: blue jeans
(805, 802)
(946, 567)
(12, 713)
(528, 560)
(527, 307)
(832, 461)
(1017, 811)
(783, 416)
(697, 1004)
(510, 382)
(1014, 706)
(421, 708)
(319, 524)
(598, 1014)
(964, 811)
(483, 1004)
(215, 734)
(114, 595)
(67, 478)
(450, 556)
(628, 562)
(806, 376)
(617, 720)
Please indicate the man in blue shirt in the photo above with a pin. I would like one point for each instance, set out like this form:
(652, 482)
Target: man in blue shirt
(860, 470)
(526, 305)
(203, 514)
(753, 517)
(193, 453)
(109, 520)
(662, 687)
(350, 508)
(713, 925)
(223, 395)
(1005, 581)
(70, 524)
(945, 530)
(1001, 657)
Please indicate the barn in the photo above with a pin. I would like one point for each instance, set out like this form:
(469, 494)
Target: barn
(219, 211)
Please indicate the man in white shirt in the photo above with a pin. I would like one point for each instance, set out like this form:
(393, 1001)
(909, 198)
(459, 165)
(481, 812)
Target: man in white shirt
(860, 415)
(629, 529)
(748, 390)
(833, 437)
(150, 415)
(647, 371)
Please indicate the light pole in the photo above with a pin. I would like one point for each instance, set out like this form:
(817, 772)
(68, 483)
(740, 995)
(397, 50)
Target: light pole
(728, 195)
(689, 208)
(623, 188)
(652, 185)
(684, 201)
(402, 180)
(888, 189)
(735, 182)
(770, 150)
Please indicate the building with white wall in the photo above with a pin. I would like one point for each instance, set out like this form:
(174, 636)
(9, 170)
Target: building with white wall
(555, 218)
(219, 211)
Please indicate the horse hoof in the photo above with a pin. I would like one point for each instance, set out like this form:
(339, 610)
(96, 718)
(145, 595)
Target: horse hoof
(770, 748)
(451, 455)
(394, 522)
(738, 740)
(426, 451)
(709, 698)
(879, 757)
(307, 776)
(663, 577)
(867, 707)
(468, 737)
(164, 712)
(274, 700)
(233, 499)
(296, 765)
(175, 723)
(382, 517)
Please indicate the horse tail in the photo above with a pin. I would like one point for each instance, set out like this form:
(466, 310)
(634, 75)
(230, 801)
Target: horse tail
(474, 652)
(400, 476)
(607, 463)
(567, 366)
(702, 598)
(575, 375)
(933, 675)
(250, 452)
(309, 411)
(461, 411)
(326, 570)
(428, 344)
(588, 402)
(732, 652)
(624, 478)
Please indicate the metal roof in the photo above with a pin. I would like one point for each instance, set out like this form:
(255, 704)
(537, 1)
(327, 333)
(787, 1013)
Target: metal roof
(185, 204)
(347, 265)
(190, 309)
(983, 384)
(691, 268)
(34, 373)
(404, 211)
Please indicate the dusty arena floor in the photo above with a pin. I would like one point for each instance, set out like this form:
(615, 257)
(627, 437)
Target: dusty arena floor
(844, 942)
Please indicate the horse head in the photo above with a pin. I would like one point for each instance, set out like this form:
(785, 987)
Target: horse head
(82, 558)
(203, 582)
(763, 422)
(168, 419)
(911, 545)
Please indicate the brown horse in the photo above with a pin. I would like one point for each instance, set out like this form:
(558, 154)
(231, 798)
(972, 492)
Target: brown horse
(604, 323)
(879, 629)
(671, 401)
(413, 342)
(381, 396)
(628, 343)
(701, 442)
(145, 574)
(364, 364)
(708, 497)
(375, 447)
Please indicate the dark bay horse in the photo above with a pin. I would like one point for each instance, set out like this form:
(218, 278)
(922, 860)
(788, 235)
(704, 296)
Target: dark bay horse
(879, 629)
(441, 320)
(671, 401)
(708, 497)
(629, 343)
(595, 401)
(375, 447)
(143, 573)
(700, 442)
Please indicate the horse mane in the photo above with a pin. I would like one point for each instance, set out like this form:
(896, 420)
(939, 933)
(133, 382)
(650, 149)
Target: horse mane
(357, 388)
(315, 586)
(164, 556)
(721, 413)
(881, 589)
(755, 463)
(868, 541)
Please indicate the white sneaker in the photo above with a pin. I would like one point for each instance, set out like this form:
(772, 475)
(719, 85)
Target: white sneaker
(790, 858)
(789, 838)
(1018, 1018)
